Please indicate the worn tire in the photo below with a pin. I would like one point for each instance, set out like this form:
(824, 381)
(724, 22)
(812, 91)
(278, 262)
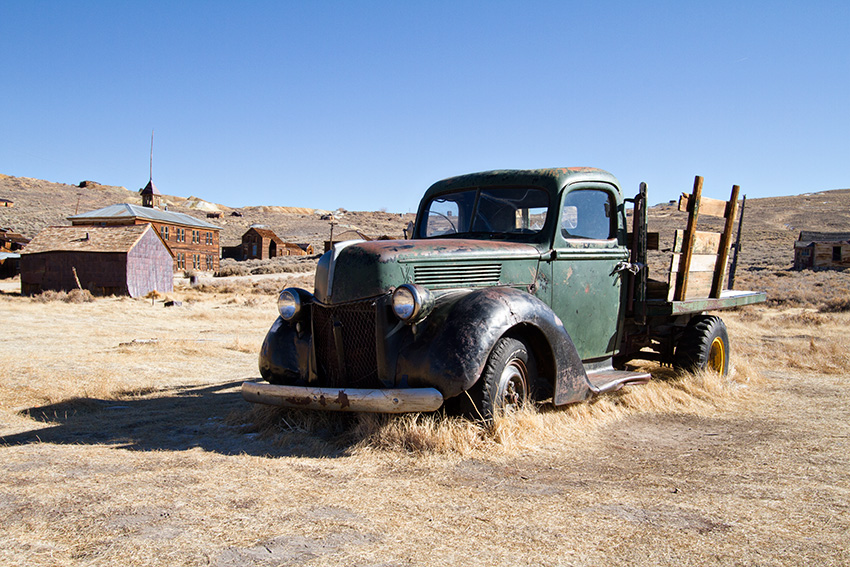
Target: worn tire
(507, 382)
(704, 345)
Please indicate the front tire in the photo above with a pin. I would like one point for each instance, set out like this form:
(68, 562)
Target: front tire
(704, 345)
(507, 382)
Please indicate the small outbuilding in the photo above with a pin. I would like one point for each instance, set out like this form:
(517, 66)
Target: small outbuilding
(261, 244)
(111, 260)
(822, 250)
(12, 241)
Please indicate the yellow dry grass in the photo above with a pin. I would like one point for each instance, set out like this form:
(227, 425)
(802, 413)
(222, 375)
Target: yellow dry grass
(125, 441)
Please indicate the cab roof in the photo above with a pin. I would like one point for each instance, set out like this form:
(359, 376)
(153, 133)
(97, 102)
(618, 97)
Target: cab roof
(552, 179)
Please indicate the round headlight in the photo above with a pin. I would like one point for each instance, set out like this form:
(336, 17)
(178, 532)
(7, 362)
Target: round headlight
(411, 303)
(405, 304)
(288, 304)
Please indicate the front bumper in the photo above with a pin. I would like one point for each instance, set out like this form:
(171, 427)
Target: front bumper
(398, 400)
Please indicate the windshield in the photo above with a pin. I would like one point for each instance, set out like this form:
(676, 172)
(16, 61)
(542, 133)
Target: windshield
(486, 212)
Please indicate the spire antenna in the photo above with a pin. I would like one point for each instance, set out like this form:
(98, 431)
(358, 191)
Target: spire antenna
(151, 171)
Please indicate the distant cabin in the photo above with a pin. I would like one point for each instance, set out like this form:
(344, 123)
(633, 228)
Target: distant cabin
(12, 241)
(112, 260)
(822, 250)
(6, 203)
(261, 244)
(10, 244)
(194, 242)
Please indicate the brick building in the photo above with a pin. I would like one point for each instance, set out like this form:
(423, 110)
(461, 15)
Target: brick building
(193, 242)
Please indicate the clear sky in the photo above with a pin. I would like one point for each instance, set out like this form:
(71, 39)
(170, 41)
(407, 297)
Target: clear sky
(362, 105)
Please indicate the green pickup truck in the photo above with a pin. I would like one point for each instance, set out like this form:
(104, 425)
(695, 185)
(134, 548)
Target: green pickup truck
(515, 286)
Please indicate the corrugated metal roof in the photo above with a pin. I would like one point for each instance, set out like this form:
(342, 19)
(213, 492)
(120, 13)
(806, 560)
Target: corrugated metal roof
(87, 238)
(128, 211)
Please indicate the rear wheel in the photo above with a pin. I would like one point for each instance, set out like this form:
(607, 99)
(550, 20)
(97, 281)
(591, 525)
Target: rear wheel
(704, 345)
(507, 382)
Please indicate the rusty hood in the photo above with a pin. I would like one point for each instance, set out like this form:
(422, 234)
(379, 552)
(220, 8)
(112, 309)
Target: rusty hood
(355, 271)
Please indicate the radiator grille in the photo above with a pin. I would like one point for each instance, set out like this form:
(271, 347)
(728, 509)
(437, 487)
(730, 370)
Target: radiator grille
(344, 340)
(457, 276)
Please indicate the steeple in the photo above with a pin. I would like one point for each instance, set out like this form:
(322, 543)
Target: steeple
(151, 197)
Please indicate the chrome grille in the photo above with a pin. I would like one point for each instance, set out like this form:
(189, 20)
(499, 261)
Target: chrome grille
(457, 275)
(344, 341)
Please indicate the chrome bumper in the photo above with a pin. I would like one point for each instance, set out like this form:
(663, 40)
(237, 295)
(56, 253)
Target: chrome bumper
(399, 400)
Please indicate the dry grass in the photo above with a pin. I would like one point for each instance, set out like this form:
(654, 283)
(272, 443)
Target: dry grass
(802, 339)
(526, 430)
(125, 441)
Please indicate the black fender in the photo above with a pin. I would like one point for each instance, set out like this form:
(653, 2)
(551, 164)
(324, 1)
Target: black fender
(285, 355)
(450, 348)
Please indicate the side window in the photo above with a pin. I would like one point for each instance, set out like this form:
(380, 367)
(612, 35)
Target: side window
(588, 213)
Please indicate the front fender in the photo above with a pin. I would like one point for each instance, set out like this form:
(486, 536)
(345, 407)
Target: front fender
(284, 355)
(451, 347)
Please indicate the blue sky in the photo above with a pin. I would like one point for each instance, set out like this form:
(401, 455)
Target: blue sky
(363, 105)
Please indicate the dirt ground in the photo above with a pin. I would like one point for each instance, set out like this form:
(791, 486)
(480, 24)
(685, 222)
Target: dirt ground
(124, 441)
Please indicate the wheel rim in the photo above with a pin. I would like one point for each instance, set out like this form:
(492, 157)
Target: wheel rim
(717, 356)
(513, 385)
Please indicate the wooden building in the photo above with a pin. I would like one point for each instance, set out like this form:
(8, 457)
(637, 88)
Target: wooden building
(194, 242)
(822, 250)
(260, 243)
(12, 241)
(112, 260)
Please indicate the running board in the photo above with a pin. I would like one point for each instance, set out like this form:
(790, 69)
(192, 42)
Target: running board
(610, 380)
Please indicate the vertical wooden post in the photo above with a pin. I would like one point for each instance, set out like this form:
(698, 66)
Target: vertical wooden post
(734, 265)
(688, 244)
(725, 241)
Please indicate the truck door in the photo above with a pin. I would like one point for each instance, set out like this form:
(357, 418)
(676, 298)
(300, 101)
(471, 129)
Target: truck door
(587, 290)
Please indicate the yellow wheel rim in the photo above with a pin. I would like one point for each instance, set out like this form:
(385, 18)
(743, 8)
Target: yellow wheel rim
(717, 356)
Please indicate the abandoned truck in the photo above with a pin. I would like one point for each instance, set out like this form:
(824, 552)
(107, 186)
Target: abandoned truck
(515, 286)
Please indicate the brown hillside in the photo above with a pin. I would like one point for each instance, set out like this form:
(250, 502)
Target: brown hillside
(43, 203)
(770, 225)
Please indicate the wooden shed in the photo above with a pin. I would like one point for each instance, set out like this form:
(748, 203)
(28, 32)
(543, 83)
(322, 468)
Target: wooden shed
(12, 241)
(261, 244)
(822, 250)
(113, 260)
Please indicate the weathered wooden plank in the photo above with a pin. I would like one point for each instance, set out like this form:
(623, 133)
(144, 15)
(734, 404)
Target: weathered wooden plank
(652, 240)
(707, 206)
(681, 286)
(725, 242)
(704, 242)
(699, 285)
(699, 263)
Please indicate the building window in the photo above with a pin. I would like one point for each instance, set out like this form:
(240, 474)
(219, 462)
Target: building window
(196, 261)
(164, 231)
(195, 237)
(181, 260)
(209, 238)
(836, 253)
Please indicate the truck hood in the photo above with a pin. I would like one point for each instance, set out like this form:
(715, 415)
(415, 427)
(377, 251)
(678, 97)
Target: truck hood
(358, 270)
